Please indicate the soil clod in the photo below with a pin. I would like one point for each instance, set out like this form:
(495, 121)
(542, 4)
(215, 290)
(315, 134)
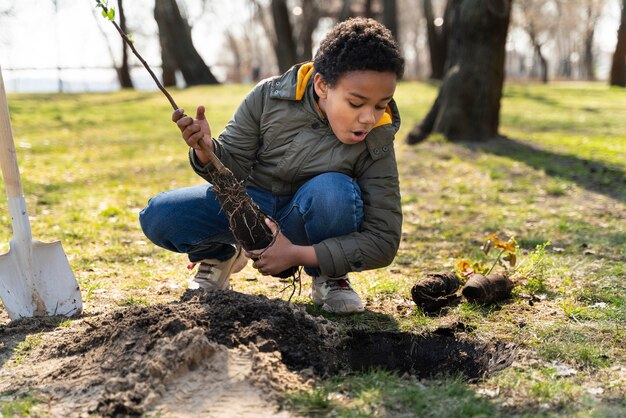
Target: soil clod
(488, 289)
(435, 291)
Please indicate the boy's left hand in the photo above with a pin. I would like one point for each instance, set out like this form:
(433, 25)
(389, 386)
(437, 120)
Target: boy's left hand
(276, 258)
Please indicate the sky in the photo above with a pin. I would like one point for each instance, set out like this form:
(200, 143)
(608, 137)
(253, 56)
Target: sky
(37, 37)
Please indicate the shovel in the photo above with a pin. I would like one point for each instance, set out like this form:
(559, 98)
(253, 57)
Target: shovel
(35, 277)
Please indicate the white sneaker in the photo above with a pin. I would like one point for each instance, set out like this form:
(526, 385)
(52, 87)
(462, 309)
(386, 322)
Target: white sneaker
(335, 295)
(214, 274)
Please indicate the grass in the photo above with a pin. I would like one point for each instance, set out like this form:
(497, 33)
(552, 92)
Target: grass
(380, 393)
(23, 406)
(90, 162)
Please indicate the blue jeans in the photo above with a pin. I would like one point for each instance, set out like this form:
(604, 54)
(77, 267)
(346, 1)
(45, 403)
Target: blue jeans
(191, 220)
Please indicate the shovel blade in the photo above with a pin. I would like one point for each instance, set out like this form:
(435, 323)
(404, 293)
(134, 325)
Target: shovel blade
(45, 286)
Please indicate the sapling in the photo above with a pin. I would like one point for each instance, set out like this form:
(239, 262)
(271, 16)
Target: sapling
(482, 285)
(247, 221)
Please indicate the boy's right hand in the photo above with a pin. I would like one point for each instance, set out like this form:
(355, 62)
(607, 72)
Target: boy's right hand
(194, 131)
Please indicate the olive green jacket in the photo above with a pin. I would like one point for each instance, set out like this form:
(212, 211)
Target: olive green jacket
(277, 140)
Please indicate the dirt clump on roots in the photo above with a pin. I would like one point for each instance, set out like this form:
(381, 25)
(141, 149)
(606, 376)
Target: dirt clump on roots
(435, 291)
(214, 353)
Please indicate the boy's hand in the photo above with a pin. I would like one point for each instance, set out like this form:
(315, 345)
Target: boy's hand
(194, 131)
(277, 258)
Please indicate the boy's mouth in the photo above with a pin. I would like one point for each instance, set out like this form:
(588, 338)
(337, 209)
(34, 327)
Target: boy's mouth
(359, 135)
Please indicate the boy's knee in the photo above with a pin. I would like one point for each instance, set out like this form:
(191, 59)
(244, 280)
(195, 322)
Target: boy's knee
(151, 220)
(334, 192)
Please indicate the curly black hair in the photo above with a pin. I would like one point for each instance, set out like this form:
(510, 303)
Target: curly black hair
(358, 44)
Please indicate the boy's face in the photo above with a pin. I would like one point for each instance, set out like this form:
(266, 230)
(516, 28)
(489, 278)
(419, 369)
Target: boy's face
(357, 101)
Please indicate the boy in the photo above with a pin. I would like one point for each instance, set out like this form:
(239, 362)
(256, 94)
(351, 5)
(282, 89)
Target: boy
(314, 147)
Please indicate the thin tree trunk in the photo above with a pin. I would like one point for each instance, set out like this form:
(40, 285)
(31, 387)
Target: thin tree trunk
(468, 104)
(175, 39)
(543, 63)
(588, 64)
(367, 9)
(123, 72)
(390, 16)
(310, 18)
(285, 46)
(618, 68)
(238, 61)
(437, 40)
(346, 11)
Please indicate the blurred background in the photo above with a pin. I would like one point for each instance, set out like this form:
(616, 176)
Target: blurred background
(67, 46)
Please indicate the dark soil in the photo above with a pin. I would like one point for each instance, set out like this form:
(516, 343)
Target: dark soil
(488, 289)
(435, 291)
(128, 362)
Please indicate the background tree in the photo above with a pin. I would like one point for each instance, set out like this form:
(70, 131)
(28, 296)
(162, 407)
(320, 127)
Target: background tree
(123, 71)
(177, 49)
(468, 104)
(618, 68)
(538, 18)
(592, 10)
(574, 35)
(390, 16)
(436, 28)
(285, 43)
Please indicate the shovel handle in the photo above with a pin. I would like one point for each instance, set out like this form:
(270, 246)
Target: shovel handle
(8, 157)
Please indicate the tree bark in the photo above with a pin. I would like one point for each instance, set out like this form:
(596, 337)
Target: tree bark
(123, 73)
(543, 63)
(390, 16)
(285, 46)
(176, 44)
(310, 18)
(437, 40)
(468, 105)
(589, 72)
(346, 11)
(367, 9)
(618, 68)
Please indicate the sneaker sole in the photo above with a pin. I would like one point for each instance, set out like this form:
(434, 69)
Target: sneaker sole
(347, 309)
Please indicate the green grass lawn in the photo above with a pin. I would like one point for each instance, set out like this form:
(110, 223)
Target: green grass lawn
(90, 162)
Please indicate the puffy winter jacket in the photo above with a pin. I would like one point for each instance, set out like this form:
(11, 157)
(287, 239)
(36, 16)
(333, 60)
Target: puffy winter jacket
(277, 140)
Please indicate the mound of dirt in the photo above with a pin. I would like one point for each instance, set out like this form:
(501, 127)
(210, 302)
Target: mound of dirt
(216, 353)
(213, 354)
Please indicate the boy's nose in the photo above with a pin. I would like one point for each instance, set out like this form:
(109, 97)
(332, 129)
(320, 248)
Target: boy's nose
(367, 117)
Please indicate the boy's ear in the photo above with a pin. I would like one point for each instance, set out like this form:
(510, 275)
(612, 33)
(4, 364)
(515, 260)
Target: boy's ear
(320, 85)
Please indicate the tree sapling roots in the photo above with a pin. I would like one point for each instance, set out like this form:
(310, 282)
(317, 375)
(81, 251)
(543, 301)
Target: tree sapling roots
(247, 222)
(435, 291)
(488, 289)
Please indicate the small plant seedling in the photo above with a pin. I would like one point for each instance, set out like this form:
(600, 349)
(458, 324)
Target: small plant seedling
(506, 257)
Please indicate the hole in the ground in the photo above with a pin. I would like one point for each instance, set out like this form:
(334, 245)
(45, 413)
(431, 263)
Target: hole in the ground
(439, 353)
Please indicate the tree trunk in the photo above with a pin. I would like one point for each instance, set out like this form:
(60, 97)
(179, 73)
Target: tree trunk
(543, 63)
(618, 69)
(175, 39)
(285, 46)
(468, 105)
(346, 11)
(123, 73)
(310, 18)
(168, 64)
(437, 40)
(367, 9)
(390, 16)
(588, 65)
